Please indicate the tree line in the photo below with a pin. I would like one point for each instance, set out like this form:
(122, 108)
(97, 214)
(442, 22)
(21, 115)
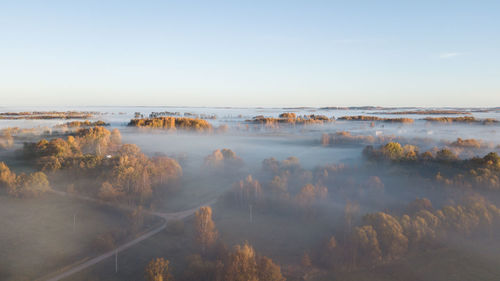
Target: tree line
(120, 171)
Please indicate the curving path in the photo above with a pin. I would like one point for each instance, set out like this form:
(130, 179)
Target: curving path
(165, 216)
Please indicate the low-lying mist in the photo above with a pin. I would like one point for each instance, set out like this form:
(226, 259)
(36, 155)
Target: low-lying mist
(298, 195)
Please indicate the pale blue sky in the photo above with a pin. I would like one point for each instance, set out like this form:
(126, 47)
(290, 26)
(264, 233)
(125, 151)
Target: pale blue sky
(250, 53)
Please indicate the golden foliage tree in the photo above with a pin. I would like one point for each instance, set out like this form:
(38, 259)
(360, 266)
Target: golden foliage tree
(267, 270)
(242, 265)
(393, 242)
(206, 234)
(158, 270)
(366, 245)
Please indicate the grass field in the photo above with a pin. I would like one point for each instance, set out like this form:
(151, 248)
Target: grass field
(37, 236)
(133, 261)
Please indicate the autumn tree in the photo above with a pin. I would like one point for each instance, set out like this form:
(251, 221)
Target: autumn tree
(330, 253)
(351, 211)
(23, 185)
(267, 270)
(108, 193)
(445, 155)
(309, 195)
(164, 170)
(115, 138)
(419, 204)
(278, 188)
(242, 265)
(366, 245)
(158, 270)
(32, 185)
(6, 140)
(225, 158)
(248, 191)
(305, 261)
(7, 178)
(136, 218)
(206, 234)
(393, 242)
(392, 151)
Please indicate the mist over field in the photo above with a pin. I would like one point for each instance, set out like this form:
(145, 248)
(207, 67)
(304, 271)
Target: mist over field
(134, 193)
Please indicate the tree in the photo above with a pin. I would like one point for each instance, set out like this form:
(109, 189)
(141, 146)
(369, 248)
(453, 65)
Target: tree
(419, 204)
(445, 155)
(108, 193)
(241, 265)
(305, 261)
(136, 218)
(351, 211)
(32, 185)
(116, 138)
(366, 245)
(392, 151)
(330, 253)
(309, 195)
(325, 139)
(6, 140)
(164, 170)
(278, 188)
(393, 243)
(7, 177)
(158, 270)
(248, 191)
(375, 185)
(267, 270)
(206, 234)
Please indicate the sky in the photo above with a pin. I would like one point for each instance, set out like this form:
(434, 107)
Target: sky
(250, 53)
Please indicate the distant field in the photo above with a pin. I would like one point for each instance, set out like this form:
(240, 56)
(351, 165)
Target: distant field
(37, 237)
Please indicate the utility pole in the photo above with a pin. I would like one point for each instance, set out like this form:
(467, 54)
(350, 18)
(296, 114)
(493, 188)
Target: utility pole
(251, 217)
(116, 261)
(74, 222)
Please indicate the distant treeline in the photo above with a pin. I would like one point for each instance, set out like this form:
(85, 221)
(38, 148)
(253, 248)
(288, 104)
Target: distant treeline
(425, 112)
(186, 114)
(78, 124)
(346, 138)
(172, 123)
(375, 118)
(462, 119)
(353, 108)
(291, 119)
(34, 115)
